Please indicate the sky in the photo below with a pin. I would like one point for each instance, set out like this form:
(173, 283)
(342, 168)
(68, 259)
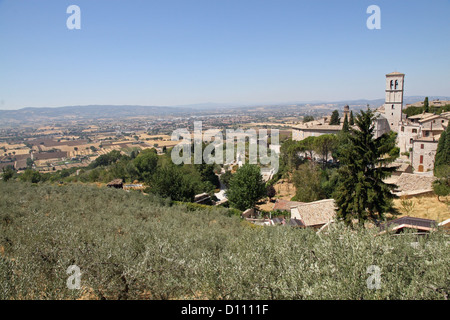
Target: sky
(178, 52)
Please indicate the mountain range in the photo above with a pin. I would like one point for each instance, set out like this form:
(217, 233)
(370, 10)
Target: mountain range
(31, 114)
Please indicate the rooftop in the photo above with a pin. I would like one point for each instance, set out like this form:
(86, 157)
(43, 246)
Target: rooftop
(285, 205)
(315, 213)
(410, 222)
(410, 183)
(395, 73)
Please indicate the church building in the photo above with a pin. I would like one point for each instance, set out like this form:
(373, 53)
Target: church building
(417, 136)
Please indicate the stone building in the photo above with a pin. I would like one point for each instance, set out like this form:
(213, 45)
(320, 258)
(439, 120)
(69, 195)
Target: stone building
(319, 127)
(417, 135)
(423, 154)
(393, 105)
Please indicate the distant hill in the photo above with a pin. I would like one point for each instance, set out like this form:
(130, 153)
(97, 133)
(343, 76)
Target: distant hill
(89, 112)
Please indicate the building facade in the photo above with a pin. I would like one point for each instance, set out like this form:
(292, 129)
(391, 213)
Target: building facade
(393, 105)
(417, 136)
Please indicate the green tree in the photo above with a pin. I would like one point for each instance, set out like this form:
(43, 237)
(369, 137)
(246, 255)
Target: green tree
(31, 175)
(8, 173)
(362, 194)
(345, 126)
(270, 191)
(308, 145)
(145, 164)
(335, 119)
(246, 187)
(207, 173)
(307, 182)
(169, 181)
(325, 144)
(226, 177)
(441, 186)
(106, 159)
(289, 153)
(426, 106)
(30, 163)
(352, 120)
(308, 119)
(442, 157)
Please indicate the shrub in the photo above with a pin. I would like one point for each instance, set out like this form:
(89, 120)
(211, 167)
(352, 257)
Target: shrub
(132, 246)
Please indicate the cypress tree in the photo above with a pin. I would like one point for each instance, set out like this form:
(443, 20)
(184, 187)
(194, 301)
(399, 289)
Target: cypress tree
(352, 120)
(345, 127)
(335, 120)
(426, 107)
(443, 150)
(362, 194)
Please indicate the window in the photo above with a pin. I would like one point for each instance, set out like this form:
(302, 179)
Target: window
(392, 84)
(396, 84)
(421, 159)
(421, 146)
(414, 130)
(393, 107)
(410, 141)
(403, 129)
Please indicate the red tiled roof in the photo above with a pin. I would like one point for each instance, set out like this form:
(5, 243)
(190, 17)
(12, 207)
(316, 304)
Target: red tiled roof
(285, 205)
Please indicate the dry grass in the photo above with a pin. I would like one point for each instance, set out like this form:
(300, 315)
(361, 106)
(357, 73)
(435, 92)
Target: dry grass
(11, 146)
(284, 190)
(426, 207)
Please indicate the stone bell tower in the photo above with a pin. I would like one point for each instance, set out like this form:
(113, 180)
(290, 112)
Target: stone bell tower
(394, 99)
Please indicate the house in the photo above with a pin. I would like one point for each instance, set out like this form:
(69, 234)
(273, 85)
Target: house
(424, 153)
(412, 184)
(117, 183)
(248, 214)
(285, 205)
(296, 223)
(397, 226)
(418, 135)
(401, 168)
(445, 225)
(278, 221)
(202, 198)
(134, 186)
(315, 214)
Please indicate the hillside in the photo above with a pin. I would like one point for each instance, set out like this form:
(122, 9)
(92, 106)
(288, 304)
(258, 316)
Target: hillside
(132, 246)
(88, 112)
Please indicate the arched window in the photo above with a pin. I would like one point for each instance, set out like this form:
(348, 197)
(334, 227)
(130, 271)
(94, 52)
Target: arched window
(392, 84)
(396, 84)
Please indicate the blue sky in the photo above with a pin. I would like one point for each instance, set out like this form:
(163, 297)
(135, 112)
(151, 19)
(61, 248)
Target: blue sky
(173, 52)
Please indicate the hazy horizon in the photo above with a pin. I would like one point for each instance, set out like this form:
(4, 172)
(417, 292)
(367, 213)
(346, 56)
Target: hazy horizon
(220, 104)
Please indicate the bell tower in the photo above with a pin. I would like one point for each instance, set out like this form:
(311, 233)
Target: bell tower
(394, 99)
